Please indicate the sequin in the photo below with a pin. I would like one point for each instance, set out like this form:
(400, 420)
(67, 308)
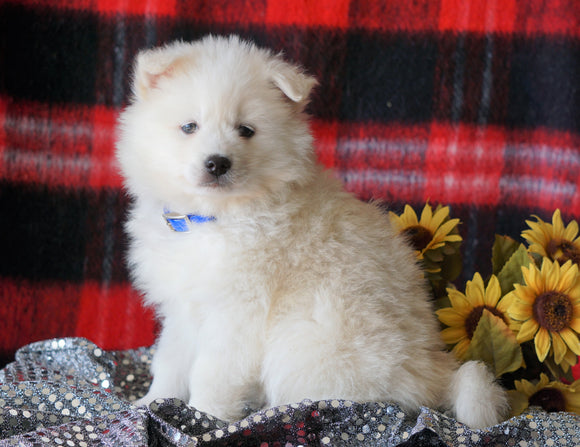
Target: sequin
(70, 392)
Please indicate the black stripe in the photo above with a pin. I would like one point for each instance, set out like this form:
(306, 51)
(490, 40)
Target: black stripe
(62, 234)
(544, 80)
(48, 55)
(73, 56)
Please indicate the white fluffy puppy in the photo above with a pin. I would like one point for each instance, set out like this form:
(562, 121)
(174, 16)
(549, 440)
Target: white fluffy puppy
(281, 286)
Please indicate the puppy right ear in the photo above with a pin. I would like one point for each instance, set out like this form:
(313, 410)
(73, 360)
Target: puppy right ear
(295, 84)
(153, 65)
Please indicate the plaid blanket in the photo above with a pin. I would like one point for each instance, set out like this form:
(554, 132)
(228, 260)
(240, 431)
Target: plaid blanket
(473, 104)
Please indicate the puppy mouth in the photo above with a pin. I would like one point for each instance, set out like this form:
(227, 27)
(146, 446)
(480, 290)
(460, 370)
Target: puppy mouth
(218, 183)
(212, 182)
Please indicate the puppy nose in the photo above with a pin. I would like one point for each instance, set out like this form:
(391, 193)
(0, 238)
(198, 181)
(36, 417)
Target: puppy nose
(217, 165)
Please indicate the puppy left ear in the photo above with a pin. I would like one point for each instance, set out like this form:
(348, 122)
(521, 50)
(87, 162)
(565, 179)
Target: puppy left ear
(294, 83)
(152, 65)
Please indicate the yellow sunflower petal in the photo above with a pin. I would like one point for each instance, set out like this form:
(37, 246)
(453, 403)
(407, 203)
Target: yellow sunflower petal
(540, 232)
(460, 349)
(571, 231)
(536, 238)
(568, 277)
(571, 340)
(574, 292)
(450, 317)
(557, 223)
(570, 359)
(453, 238)
(395, 221)
(426, 216)
(575, 324)
(520, 310)
(459, 301)
(505, 303)
(525, 293)
(439, 216)
(409, 216)
(525, 387)
(528, 330)
(559, 348)
(550, 273)
(453, 335)
(542, 343)
(544, 381)
(573, 402)
(518, 402)
(492, 292)
(539, 227)
(475, 291)
(530, 274)
(444, 229)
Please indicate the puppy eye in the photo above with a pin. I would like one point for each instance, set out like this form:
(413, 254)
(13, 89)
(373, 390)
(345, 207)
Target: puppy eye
(246, 131)
(189, 128)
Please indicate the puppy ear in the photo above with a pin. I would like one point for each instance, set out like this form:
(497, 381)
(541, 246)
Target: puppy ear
(294, 83)
(153, 65)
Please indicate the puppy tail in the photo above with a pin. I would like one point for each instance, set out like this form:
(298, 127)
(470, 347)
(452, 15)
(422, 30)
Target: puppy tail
(475, 397)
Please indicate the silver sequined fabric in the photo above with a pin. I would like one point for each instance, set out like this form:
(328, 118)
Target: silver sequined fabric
(70, 392)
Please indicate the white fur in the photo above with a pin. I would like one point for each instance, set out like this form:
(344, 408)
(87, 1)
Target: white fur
(297, 290)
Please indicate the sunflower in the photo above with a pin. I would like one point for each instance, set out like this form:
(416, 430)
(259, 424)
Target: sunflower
(553, 240)
(551, 396)
(431, 232)
(547, 309)
(466, 310)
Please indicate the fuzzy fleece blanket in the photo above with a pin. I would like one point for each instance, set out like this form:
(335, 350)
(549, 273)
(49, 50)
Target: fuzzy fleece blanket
(472, 104)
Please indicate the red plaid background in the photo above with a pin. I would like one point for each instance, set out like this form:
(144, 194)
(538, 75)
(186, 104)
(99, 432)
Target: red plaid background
(470, 103)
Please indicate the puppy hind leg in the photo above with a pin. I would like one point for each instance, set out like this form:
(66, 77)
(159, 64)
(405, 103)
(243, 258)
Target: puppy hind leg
(295, 368)
(223, 388)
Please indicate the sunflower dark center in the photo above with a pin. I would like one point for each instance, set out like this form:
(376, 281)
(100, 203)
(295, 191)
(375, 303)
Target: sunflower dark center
(474, 316)
(553, 311)
(550, 399)
(418, 236)
(563, 251)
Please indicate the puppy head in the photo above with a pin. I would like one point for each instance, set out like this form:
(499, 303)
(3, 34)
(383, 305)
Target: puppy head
(215, 122)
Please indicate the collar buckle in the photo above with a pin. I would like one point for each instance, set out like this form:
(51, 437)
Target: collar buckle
(180, 223)
(176, 222)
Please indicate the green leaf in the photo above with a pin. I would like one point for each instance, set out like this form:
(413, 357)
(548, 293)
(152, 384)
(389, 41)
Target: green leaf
(557, 371)
(503, 248)
(452, 266)
(511, 273)
(494, 343)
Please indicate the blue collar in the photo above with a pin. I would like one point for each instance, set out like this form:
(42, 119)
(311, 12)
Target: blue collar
(180, 223)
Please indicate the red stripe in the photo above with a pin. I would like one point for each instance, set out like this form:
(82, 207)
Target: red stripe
(398, 16)
(137, 7)
(549, 17)
(464, 164)
(479, 16)
(491, 166)
(329, 13)
(104, 171)
(56, 145)
(325, 142)
(40, 309)
(73, 146)
(113, 317)
(3, 136)
(489, 16)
